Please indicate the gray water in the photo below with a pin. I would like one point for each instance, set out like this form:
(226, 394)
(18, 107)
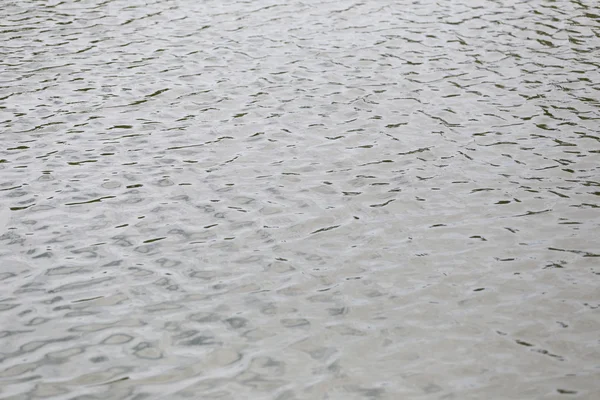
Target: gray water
(299, 200)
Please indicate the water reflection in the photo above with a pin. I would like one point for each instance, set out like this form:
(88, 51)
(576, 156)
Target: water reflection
(333, 199)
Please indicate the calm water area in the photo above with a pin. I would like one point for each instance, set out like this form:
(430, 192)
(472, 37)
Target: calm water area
(288, 200)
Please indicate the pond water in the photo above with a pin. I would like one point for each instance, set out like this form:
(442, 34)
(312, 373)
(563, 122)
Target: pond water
(299, 200)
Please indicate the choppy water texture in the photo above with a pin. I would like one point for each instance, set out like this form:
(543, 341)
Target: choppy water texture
(299, 200)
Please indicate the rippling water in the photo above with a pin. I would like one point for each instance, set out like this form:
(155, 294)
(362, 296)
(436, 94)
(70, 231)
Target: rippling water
(299, 200)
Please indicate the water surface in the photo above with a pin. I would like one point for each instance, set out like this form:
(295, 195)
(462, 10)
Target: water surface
(299, 200)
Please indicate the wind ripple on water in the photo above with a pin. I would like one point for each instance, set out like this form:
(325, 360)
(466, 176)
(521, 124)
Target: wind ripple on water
(307, 200)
